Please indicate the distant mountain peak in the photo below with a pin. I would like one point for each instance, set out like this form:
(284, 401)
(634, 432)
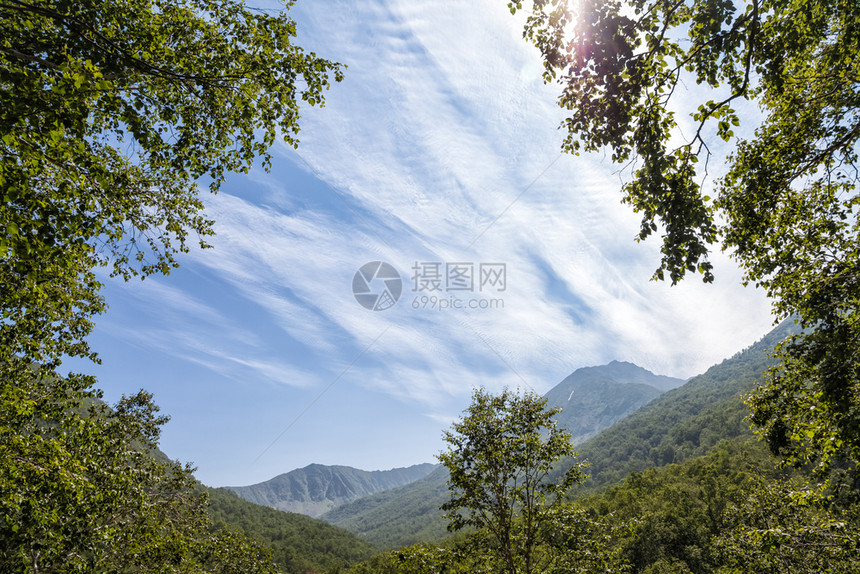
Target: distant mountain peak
(627, 372)
(594, 398)
(318, 488)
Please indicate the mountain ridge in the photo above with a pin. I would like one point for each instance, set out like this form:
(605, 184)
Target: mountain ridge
(687, 421)
(317, 488)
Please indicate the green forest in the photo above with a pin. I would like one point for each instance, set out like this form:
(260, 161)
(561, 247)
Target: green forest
(114, 113)
(720, 501)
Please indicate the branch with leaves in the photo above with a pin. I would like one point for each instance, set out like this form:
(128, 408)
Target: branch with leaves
(787, 208)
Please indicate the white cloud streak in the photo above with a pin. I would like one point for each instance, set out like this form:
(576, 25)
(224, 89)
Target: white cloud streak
(414, 134)
(441, 123)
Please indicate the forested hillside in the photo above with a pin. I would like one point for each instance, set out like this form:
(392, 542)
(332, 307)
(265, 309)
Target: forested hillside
(400, 516)
(676, 518)
(299, 544)
(685, 422)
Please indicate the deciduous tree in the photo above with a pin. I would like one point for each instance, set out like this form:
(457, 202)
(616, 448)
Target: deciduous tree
(789, 526)
(83, 489)
(787, 207)
(111, 111)
(499, 458)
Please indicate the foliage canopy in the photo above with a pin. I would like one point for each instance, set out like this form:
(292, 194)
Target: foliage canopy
(110, 112)
(787, 207)
(82, 489)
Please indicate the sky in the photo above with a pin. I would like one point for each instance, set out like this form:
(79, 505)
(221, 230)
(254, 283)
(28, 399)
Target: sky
(438, 155)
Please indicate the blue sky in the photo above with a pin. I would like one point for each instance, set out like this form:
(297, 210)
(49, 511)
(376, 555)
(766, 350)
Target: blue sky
(440, 147)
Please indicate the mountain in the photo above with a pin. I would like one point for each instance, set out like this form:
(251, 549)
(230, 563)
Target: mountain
(594, 398)
(678, 425)
(317, 488)
(685, 422)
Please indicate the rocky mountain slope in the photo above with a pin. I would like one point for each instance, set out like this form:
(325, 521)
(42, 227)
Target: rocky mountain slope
(594, 398)
(317, 488)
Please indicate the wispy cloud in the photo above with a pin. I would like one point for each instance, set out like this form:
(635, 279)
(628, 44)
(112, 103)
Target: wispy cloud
(440, 145)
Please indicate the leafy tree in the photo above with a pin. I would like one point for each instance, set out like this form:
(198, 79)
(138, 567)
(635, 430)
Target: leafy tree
(499, 457)
(809, 407)
(110, 113)
(83, 490)
(787, 207)
(789, 526)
